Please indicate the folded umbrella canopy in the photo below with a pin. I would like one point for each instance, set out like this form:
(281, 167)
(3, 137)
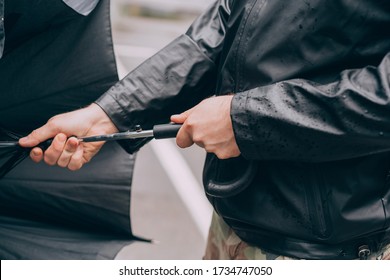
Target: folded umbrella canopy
(11, 154)
(56, 60)
(52, 213)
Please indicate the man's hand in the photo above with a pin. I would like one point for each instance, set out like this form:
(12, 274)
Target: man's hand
(209, 125)
(66, 151)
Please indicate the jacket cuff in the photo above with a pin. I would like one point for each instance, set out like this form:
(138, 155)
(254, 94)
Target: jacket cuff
(241, 125)
(113, 110)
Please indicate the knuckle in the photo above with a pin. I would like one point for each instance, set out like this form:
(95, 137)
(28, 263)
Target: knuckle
(190, 124)
(34, 133)
(222, 155)
(198, 137)
(218, 152)
(61, 163)
(209, 149)
(52, 124)
(49, 161)
(58, 149)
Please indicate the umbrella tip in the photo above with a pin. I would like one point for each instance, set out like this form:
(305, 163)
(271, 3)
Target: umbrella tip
(154, 241)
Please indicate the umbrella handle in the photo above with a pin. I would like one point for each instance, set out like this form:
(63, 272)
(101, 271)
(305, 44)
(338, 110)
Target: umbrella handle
(162, 131)
(234, 187)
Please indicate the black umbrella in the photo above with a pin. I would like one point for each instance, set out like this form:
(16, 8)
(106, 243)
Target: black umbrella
(57, 61)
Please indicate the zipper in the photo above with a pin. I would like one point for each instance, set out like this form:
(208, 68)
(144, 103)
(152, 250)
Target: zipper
(241, 50)
(316, 208)
(383, 200)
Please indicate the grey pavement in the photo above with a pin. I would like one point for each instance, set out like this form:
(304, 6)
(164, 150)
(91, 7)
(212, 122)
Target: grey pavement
(158, 211)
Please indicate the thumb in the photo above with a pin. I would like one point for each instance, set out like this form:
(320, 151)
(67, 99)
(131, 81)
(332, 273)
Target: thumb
(181, 118)
(37, 136)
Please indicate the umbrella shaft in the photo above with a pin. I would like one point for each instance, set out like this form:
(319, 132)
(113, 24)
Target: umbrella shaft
(160, 131)
(8, 144)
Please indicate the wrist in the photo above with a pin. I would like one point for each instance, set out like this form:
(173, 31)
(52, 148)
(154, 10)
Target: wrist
(99, 121)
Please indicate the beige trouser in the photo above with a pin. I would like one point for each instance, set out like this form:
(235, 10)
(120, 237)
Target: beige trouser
(224, 244)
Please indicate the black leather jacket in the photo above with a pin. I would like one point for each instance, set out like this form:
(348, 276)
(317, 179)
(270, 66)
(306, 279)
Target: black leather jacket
(310, 115)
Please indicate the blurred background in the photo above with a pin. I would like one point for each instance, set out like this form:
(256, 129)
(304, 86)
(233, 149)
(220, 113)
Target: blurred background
(168, 204)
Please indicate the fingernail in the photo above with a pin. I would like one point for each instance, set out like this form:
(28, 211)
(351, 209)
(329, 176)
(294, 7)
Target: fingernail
(73, 144)
(35, 153)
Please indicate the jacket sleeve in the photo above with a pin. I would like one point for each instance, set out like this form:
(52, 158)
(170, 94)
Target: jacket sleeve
(175, 79)
(301, 120)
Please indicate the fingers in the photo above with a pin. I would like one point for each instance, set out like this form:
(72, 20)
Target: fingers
(184, 136)
(209, 126)
(69, 150)
(77, 159)
(37, 136)
(36, 154)
(181, 118)
(63, 152)
(53, 153)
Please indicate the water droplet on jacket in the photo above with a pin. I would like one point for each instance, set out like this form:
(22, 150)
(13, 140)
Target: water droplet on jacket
(380, 133)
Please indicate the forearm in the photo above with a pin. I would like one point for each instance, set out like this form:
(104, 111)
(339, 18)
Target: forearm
(299, 120)
(175, 79)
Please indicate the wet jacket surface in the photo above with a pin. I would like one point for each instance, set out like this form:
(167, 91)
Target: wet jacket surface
(310, 115)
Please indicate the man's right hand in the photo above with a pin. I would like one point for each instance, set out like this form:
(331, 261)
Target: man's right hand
(65, 150)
